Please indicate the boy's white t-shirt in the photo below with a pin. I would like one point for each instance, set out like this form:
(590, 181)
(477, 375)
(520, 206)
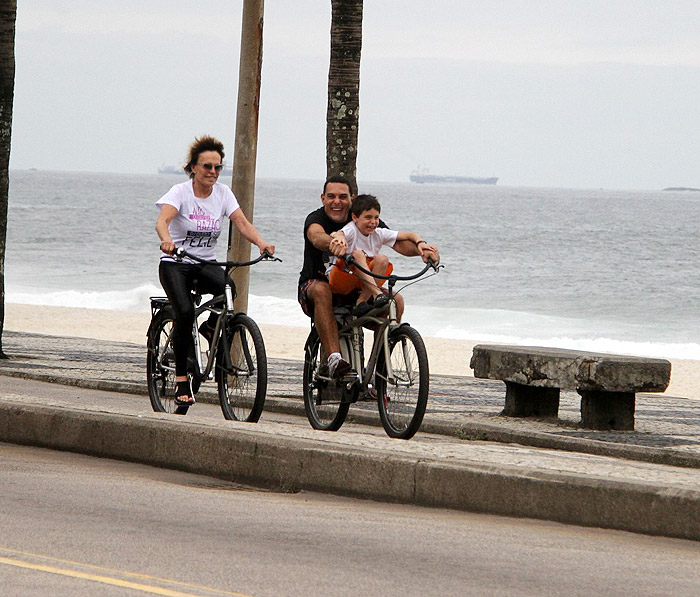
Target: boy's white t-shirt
(370, 244)
(197, 226)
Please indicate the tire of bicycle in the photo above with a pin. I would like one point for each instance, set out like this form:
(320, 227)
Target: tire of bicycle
(402, 404)
(242, 391)
(322, 401)
(160, 362)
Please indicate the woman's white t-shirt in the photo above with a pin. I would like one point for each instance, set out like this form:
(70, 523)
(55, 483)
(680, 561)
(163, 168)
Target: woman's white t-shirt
(197, 225)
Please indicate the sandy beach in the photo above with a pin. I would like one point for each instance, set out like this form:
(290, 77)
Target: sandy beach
(448, 357)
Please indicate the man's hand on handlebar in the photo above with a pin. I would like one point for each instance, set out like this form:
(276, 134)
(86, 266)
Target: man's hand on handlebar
(338, 244)
(429, 253)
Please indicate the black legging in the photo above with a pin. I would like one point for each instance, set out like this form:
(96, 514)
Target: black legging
(178, 280)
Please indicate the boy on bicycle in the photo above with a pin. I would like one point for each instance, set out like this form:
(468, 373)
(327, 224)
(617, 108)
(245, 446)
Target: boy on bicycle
(364, 239)
(320, 242)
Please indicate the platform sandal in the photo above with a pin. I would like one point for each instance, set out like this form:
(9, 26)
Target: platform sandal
(183, 388)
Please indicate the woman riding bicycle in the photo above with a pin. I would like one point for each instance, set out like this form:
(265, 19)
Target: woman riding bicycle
(191, 216)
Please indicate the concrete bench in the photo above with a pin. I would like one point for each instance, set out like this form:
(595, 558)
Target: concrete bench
(607, 383)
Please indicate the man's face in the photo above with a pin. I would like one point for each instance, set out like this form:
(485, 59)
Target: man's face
(336, 201)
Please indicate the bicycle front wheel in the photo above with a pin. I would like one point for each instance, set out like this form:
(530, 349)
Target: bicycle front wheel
(243, 383)
(402, 389)
(160, 363)
(323, 398)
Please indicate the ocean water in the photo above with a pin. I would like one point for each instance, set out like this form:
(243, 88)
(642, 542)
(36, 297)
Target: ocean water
(604, 270)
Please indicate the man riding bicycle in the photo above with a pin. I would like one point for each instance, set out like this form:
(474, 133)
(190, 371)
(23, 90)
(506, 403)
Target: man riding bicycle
(320, 242)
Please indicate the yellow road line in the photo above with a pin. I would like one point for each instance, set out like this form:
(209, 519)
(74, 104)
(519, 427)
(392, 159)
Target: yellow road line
(10, 561)
(94, 577)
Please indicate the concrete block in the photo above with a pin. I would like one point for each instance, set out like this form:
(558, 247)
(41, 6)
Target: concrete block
(607, 383)
(570, 369)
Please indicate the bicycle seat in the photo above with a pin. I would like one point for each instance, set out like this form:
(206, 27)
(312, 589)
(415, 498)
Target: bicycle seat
(194, 291)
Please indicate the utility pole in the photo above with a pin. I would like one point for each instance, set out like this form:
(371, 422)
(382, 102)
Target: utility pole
(246, 143)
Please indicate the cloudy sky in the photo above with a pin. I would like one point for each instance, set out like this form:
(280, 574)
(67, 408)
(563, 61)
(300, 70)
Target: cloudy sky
(540, 93)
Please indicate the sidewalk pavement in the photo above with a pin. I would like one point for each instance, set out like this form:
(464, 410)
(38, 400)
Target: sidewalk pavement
(465, 456)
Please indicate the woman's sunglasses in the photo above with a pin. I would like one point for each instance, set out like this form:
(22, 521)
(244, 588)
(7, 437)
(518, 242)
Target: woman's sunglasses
(216, 167)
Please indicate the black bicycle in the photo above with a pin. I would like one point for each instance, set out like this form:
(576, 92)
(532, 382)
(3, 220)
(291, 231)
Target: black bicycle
(236, 356)
(396, 374)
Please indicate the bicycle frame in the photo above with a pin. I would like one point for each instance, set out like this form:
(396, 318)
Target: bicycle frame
(385, 324)
(396, 374)
(221, 307)
(381, 341)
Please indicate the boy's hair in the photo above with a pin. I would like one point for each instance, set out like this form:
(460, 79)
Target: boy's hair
(363, 203)
(200, 145)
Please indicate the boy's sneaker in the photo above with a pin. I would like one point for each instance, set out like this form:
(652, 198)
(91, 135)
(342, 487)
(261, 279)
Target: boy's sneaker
(337, 366)
(381, 300)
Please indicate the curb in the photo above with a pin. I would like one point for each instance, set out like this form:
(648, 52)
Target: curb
(289, 464)
(473, 431)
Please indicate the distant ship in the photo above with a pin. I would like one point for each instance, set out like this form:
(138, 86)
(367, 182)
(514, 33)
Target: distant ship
(422, 175)
(227, 171)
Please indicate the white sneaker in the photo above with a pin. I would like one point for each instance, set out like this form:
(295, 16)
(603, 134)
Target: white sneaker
(337, 366)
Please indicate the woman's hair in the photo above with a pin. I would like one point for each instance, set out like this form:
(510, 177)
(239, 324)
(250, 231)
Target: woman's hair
(200, 145)
(363, 203)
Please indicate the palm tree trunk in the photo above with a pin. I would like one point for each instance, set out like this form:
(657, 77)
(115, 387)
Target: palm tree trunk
(343, 117)
(8, 17)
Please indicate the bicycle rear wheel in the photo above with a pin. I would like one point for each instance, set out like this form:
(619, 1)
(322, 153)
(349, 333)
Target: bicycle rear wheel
(242, 387)
(323, 398)
(403, 398)
(160, 363)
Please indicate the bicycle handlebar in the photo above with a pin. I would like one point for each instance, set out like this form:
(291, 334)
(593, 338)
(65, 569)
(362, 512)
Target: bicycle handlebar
(350, 260)
(179, 253)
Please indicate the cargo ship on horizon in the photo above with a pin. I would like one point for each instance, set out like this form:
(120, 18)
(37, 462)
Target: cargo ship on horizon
(422, 175)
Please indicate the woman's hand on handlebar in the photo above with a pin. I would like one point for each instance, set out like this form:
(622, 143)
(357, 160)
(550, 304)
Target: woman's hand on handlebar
(268, 251)
(266, 247)
(167, 246)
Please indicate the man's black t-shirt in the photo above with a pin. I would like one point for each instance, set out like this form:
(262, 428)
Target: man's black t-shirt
(315, 261)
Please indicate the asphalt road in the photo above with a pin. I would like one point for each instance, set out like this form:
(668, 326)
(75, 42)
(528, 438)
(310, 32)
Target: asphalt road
(73, 524)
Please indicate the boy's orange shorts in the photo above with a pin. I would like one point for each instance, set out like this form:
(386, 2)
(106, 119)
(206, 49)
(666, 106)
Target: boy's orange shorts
(344, 283)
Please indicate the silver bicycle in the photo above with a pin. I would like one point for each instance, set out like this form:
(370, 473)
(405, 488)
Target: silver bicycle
(396, 373)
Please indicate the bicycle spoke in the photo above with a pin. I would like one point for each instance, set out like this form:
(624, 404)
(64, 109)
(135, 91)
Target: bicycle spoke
(402, 383)
(242, 370)
(160, 364)
(322, 396)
